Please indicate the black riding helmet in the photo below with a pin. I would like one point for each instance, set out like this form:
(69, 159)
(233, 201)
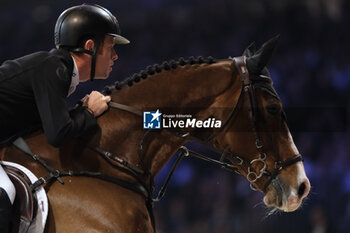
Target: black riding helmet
(84, 21)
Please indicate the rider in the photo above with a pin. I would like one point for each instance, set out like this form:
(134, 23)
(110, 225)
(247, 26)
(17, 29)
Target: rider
(34, 88)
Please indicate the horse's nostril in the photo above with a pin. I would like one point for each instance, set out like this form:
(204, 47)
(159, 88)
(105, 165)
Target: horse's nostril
(301, 190)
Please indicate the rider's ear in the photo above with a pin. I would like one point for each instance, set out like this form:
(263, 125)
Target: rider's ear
(89, 45)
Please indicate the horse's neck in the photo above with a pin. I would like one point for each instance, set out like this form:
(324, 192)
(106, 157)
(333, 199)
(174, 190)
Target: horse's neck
(179, 87)
(189, 87)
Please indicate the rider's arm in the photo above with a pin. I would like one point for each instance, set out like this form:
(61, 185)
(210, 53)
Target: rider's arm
(50, 88)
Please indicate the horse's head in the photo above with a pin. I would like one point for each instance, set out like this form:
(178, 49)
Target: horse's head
(257, 138)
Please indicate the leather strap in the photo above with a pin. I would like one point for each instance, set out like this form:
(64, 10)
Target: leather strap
(279, 165)
(22, 145)
(126, 108)
(241, 65)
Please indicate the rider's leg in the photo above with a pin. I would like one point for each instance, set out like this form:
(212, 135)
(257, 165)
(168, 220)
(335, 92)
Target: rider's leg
(7, 197)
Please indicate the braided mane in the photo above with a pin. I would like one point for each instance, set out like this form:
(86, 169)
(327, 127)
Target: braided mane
(156, 68)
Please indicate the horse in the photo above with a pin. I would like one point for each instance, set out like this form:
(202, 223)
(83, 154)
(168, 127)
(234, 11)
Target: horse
(106, 176)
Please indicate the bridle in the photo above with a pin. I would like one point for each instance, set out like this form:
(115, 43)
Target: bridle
(248, 89)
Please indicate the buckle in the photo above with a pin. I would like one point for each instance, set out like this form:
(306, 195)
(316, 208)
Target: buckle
(184, 149)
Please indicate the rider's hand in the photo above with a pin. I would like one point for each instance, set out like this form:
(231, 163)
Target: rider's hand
(96, 103)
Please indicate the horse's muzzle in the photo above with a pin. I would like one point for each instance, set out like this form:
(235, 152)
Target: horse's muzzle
(287, 195)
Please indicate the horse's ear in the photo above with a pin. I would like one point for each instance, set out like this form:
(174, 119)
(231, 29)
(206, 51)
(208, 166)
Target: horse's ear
(250, 50)
(260, 59)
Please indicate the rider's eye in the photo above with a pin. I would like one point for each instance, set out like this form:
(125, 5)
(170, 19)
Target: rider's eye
(273, 109)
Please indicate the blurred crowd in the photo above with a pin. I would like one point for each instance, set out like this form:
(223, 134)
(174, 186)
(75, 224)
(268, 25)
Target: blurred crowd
(310, 69)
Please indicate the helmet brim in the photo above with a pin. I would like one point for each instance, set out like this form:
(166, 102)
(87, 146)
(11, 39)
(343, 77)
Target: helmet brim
(118, 39)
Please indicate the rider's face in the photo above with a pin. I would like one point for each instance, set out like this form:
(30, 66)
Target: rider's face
(105, 58)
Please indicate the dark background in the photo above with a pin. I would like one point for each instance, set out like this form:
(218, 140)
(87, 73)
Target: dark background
(310, 69)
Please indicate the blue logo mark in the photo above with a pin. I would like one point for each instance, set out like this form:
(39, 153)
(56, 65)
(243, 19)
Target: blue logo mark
(151, 120)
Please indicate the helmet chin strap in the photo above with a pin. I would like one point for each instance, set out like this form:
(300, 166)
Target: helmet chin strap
(93, 61)
(93, 58)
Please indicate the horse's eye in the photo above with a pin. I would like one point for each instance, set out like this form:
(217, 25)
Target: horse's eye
(273, 109)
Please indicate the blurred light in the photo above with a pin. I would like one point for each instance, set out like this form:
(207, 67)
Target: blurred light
(340, 78)
(347, 182)
(183, 175)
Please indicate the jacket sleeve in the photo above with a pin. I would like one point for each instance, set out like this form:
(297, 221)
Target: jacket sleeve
(50, 88)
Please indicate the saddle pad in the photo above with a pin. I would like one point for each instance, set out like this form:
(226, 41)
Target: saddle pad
(38, 224)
